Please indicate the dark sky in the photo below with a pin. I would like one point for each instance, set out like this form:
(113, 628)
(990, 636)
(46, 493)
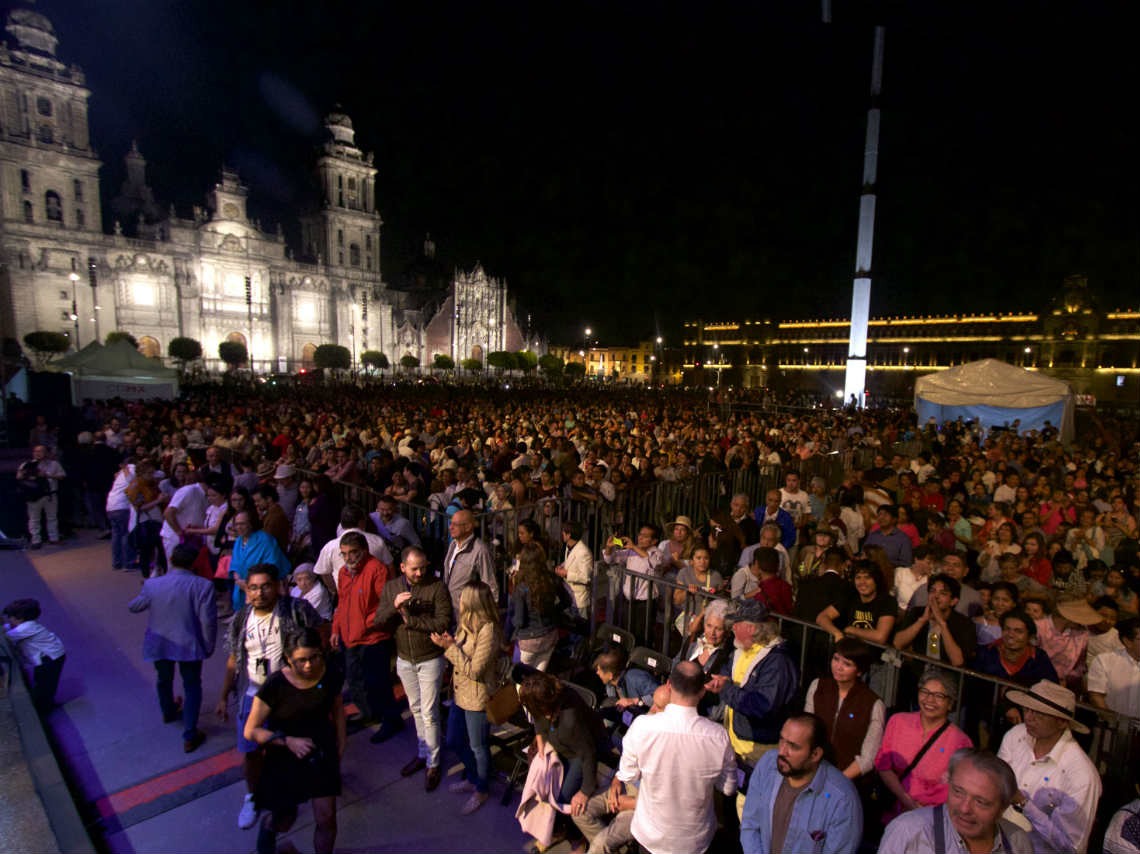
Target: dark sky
(631, 165)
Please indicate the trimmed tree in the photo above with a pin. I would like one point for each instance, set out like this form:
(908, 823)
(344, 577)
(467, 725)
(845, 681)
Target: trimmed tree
(46, 344)
(233, 353)
(575, 370)
(374, 359)
(526, 361)
(443, 362)
(502, 359)
(184, 350)
(333, 357)
(471, 365)
(550, 365)
(117, 335)
(409, 361)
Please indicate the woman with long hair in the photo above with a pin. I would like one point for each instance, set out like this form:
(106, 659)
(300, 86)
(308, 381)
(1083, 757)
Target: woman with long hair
(473, 653)
(537, 603)
(298, 717)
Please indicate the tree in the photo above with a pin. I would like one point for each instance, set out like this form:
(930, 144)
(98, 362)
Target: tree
(46, 344)
(117, 335)
(233, 353)
(471, 365)
(333, 357)
(502, 359)
(575, 370)
(443, 362)
(374, 359)
(526, 360)
(550, 365)
(409, 361)
(184, 350)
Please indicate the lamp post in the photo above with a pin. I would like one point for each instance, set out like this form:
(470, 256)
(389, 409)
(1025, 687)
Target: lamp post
(75, 307)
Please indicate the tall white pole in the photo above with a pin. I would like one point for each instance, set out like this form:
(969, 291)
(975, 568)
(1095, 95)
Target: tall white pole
(855, 381)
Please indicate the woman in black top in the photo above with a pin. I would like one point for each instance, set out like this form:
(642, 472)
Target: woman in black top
(562, 719)
(298, 715)
(537, 604)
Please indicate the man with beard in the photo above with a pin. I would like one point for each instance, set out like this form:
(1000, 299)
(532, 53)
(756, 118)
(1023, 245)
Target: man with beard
(797, 800)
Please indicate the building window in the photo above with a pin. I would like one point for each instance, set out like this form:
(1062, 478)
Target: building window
(368, 242)
(46, 135)
(25, 180)
(80, 219)
(340, 237)
(64, 295)
(340, 258)
(52, 206)
(340, 182)
(354, 255)
(368, 262)
(78, 190)
(28, 215)
(43, 106)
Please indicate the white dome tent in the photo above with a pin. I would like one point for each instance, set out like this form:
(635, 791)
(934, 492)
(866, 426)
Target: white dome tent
(996, 394)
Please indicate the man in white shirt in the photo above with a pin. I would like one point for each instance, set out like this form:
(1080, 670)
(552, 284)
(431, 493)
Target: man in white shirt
(909, 578)
(795, 500)
(678, 758)
(1114, 677)
(578, 567)
(187, 509)
(329, 561)
(1059, 785)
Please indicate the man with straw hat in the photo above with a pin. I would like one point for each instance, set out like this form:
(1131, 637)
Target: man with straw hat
(1064, 636)
(1058, 785)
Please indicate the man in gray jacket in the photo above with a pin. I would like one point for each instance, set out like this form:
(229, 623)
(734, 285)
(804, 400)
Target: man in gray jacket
(411, 607)
(183, 629)
(467, 557)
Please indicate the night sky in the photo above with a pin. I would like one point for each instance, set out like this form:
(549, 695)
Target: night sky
(631, 165)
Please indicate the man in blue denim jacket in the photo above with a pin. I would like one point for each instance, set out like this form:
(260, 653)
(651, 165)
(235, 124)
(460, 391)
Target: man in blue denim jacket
(798, 801)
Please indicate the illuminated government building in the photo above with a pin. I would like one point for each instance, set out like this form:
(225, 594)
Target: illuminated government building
(1096, 351)
(215, 275)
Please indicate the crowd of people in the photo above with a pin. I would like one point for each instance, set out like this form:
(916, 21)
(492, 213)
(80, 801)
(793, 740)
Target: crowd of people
(1005, 555)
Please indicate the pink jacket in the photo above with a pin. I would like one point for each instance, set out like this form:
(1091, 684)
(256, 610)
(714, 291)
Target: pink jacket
(538, 804)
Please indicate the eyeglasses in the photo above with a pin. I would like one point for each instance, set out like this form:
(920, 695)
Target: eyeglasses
(935, 695)
(301, 660)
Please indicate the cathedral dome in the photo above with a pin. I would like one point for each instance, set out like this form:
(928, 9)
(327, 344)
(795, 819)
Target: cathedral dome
(32, 31)
(339, 125)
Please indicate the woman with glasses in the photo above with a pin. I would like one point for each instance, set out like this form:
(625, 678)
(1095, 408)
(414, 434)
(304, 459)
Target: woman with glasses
(923, 783)
(250, 548)
(298, 717)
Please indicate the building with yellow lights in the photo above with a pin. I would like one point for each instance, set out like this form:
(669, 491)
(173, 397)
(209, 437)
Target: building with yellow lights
(1097, 352)
(639, 363)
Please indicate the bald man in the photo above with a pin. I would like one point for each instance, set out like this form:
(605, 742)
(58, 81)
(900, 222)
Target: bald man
(467, 557)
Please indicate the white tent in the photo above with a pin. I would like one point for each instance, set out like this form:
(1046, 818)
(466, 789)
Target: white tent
(995, 393)
(117, 370)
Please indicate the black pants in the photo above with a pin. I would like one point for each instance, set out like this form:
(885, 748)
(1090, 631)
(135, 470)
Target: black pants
(369, 675)
(45, 681)
(191, 687)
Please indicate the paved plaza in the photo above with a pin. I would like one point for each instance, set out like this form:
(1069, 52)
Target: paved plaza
(136, 789)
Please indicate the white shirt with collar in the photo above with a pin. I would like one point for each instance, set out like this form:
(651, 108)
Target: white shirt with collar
(1063, 788)
(329, 561)
(1116, 674)
(678, 758)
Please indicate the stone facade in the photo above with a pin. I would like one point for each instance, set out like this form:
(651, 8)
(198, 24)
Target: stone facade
(216, 275)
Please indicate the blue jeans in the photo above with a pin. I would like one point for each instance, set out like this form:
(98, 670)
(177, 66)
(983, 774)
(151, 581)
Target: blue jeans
(571, 779)
(122, 553)
(191, 687)
(468, 734)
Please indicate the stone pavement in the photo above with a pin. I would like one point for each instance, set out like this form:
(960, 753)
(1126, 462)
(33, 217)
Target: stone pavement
(137, 790)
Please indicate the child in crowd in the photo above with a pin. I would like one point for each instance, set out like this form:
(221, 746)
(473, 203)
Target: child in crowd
(40, 650)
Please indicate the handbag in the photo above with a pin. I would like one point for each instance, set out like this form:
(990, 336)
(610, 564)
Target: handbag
(504, 699)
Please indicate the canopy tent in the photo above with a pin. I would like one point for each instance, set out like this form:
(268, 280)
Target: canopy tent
(995, 393)
(116, 370)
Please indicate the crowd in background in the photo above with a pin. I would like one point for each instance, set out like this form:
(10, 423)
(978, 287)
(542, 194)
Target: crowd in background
(1009, 555)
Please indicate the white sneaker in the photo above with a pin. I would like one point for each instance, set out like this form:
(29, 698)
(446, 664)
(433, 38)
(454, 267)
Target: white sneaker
(248, 815)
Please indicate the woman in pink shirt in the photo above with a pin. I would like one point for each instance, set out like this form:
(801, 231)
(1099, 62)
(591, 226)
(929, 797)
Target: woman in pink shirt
(905, 735)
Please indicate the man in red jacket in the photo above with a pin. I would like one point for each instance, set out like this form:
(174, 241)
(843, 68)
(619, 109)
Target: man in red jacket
(367, 649)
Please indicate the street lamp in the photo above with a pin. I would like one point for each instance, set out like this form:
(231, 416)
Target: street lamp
(588, 331)
(660, 340)
(74, 306)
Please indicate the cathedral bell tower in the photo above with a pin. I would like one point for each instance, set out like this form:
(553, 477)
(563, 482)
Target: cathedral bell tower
(345, 232)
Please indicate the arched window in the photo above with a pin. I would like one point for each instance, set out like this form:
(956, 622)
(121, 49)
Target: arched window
(354, 255)
(52, 206)
(236, 337)
(308, 355)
